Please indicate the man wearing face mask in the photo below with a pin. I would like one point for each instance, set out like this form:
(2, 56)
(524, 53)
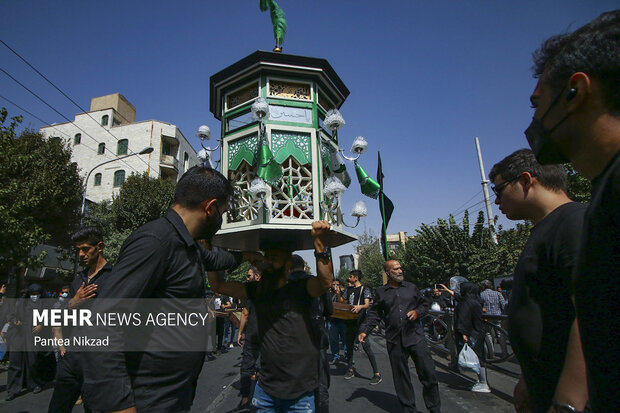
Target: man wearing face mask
(25, 360)
(401, 305)
(577, 120)
(161, 259)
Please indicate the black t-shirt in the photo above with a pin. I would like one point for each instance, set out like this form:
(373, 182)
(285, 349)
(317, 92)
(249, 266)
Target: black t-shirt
(540, 310)
(289, 348)
(357, 295)
(597, 291)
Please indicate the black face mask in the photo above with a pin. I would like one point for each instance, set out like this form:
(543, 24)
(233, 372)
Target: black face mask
(210, 227)
(539, 138)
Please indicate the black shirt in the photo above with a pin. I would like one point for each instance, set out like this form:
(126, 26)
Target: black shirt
(357, 295)
(159, 260)
(288, 344)
(392, 304)
(540, 310)
(597, 290)
(82, 277)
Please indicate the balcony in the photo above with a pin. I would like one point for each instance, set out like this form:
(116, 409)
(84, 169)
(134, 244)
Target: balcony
(169, 161)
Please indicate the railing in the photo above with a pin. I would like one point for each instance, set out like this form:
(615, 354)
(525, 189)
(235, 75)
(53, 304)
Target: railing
(169, 160)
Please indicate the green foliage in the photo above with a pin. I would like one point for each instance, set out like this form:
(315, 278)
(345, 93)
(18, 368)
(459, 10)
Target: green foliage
(140, 200)
(239, 273)
(578, 186)
(40, 193)
(370, 260)
(447, 249)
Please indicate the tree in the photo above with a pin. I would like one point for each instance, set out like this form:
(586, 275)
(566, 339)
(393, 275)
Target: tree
(40, 194)
(141, 199)
(578, 186)
(370, 260)
(439, 252)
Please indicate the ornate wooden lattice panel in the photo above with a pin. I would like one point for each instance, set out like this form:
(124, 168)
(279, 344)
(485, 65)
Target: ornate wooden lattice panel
(243, 208)
(243, 149)
(293, 199)
(289, 90)
(242, 95)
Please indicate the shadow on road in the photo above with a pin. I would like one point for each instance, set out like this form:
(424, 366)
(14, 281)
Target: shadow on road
(386, 401)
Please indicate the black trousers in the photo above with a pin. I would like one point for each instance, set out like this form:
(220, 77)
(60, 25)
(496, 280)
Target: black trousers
(68, 387)
(399, 360)
(23, 372)
(352, 331)
(321, 394)
(249, 357)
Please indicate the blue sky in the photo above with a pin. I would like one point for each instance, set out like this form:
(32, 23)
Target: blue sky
(425, 77)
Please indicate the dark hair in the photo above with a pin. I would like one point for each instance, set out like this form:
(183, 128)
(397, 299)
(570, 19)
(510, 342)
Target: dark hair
(200, 183)
(487, 284)
(469, 290)
(89, 235)
(297, 262)
(65, 287)
(356, 273)
(593, 49)
(552, 177)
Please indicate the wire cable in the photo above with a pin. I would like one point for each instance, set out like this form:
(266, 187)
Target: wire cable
(48, 105)
(65, 95)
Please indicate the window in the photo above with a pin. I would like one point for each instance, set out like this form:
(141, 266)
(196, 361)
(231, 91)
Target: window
(119, 178)
(77, 139)
(101, 149)
(121, 148)
(104, 120)
(185, 162)
(97, 179)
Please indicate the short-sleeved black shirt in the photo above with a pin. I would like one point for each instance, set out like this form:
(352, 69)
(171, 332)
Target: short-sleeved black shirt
(597, 289)
(540, 310)
(353, 295)
(288, 344)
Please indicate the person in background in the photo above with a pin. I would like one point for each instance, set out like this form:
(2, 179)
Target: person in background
(401, 305)
(337, 326)
(470, 329)
(359, 297)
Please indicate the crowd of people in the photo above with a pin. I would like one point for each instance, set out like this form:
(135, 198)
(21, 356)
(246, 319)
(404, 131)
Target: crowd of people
(561, 310)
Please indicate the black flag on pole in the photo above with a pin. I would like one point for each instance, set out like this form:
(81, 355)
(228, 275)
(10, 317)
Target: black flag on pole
(385, 206)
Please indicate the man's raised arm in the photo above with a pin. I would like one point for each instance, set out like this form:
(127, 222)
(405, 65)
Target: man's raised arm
(317, 286)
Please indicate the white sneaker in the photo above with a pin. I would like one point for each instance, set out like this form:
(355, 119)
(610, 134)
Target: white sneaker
(481, 388)
(231, 346)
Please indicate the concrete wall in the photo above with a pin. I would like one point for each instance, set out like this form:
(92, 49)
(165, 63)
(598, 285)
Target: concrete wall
(139, 135)
(117, 102)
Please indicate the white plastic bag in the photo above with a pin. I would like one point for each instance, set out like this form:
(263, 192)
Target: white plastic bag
(468, 359)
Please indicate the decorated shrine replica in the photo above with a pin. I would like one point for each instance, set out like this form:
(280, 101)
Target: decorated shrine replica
(279, 148)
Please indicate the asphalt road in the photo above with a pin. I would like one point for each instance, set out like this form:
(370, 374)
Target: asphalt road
(218, 388)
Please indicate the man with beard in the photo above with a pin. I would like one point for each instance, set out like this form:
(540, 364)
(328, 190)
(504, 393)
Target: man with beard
(401, 305)
(289, 346)
(162, 259)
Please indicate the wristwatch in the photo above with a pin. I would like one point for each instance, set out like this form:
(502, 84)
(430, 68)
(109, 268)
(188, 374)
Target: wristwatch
(324, 254)
(567, 408)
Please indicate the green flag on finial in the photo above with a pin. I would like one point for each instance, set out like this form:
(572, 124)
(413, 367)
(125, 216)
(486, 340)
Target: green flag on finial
(370, 187)
(278, 20)
(268, 169)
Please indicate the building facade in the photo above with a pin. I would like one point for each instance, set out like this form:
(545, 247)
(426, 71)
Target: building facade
(109, 131)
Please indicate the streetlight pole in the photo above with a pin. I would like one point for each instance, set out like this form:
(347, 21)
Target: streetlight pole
(144, 151)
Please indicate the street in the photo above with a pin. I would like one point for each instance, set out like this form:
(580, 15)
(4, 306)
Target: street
(218, 388)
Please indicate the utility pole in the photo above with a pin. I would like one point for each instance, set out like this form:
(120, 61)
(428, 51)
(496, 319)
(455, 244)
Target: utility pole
(485, 189)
